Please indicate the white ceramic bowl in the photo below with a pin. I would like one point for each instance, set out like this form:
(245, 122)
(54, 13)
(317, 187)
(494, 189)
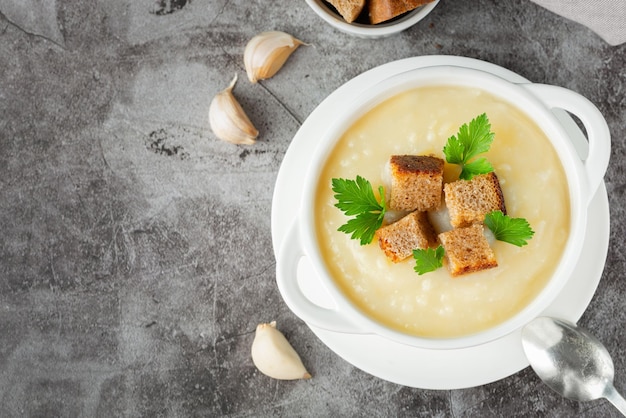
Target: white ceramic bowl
(381, 30)
(584, 175)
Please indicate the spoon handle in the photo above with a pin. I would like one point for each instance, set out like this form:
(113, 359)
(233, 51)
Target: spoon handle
(613, 396)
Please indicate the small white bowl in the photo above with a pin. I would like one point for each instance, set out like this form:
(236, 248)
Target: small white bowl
(381, 30)
(536, 100)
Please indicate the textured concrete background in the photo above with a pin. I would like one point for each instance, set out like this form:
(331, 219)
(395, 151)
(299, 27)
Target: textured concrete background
(135, 248)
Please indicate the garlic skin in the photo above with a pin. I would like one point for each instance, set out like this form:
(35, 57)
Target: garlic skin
(274, 356)
(228, 120)
(266, 53)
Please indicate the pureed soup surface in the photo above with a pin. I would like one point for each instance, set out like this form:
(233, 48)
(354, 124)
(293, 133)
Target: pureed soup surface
(434, 304)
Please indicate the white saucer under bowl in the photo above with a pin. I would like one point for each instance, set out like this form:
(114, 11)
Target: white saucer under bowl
(412, 366)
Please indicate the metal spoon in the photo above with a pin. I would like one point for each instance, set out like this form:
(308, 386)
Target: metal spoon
(571, 361)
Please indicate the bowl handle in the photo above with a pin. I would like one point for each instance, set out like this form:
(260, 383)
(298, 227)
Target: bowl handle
(289, 255)
(598, 133)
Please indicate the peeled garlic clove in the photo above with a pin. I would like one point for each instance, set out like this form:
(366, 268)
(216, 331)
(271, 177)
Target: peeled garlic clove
(266, 53)
(274, 356)
(228, 120)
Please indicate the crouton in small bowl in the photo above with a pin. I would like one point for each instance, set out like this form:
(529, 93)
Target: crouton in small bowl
(372, 18)
(444, 208)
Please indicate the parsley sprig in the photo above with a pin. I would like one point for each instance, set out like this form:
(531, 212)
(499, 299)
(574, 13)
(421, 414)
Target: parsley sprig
(427, 260)
(356, 198)
(516, 231)
(471, 140)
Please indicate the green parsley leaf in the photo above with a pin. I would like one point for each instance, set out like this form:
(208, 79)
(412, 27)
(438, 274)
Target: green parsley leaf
(470, 141)
(427, 260)
(478, 166)
(363, 226)
(356, 198)
(454, 151)
(516, 231)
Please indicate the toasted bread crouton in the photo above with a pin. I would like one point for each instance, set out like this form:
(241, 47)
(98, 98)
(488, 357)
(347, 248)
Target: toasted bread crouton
(383, 10)
(467, 250)
(399, 239)
(468, 201)
(416, 182)
(348, 9)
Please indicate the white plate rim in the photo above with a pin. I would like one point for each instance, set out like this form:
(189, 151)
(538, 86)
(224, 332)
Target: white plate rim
(412, 366)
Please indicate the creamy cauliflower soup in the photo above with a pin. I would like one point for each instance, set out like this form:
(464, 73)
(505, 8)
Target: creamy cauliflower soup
(434, 304)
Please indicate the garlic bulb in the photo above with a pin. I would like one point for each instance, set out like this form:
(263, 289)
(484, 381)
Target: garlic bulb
(274, 356)
(266, 53)
(228, 120)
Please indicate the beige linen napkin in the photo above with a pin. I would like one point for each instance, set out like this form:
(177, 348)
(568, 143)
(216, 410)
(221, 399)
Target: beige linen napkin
(605, 17)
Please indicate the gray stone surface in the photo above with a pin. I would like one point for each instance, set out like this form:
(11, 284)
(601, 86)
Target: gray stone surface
(135, 251)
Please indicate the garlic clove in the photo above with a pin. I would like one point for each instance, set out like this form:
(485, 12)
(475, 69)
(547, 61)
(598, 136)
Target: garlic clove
(228, 120)
(267, 52)
(274, 356)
